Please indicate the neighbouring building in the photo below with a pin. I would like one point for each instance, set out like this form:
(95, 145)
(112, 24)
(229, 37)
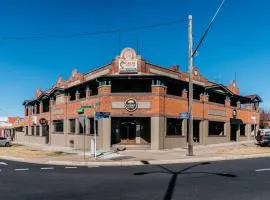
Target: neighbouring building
(10, 125)
(144, 101)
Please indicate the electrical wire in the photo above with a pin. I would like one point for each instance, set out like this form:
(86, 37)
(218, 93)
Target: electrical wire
(85, 34)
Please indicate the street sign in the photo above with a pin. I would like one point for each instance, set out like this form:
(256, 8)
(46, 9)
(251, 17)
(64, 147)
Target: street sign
(184, 115)
(80, 111)
(100, 115)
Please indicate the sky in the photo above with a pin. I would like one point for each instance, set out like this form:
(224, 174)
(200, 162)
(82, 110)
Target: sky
(237, 45)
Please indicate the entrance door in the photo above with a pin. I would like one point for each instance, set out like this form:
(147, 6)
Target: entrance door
(234, 128)
(45, 132)
(128, 131)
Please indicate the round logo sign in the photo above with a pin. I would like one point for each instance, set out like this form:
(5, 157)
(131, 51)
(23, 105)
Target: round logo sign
(131, 105)
(43, 121)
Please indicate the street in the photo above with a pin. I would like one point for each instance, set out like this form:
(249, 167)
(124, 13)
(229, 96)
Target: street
(238, 179)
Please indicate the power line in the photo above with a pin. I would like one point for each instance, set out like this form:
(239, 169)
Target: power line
(72, 35)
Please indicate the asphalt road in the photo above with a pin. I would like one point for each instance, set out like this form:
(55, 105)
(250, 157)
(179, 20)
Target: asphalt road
(234, 180)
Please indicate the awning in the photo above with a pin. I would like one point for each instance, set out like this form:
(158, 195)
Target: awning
(236, 121)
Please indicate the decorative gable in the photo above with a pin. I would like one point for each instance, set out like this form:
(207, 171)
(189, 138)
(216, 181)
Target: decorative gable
(38, 93)
(233, 88)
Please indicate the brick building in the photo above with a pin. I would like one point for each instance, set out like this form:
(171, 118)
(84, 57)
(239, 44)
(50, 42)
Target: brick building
(144, 101)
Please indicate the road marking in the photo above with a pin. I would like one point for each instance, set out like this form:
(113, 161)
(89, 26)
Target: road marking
(3, 163)
(261, 170)
(22, 169)
(91, 166)
(71, 167)
(46, 168)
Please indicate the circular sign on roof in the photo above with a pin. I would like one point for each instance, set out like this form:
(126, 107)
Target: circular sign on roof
(131, 105)
(128, 54)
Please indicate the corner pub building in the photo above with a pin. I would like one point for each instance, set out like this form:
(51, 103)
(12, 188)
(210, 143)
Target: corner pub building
(144, 101)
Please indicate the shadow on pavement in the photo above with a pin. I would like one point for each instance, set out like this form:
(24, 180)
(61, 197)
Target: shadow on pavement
(170, 189)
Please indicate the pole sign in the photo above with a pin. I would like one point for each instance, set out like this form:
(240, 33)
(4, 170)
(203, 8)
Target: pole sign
(184, 115)
(100, 115)
(80, 111)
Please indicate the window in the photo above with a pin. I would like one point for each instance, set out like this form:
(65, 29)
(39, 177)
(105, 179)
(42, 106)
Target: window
(174, 126)
(37, 130)
(216, 128)
(72, 125)
(82, 93)
(58, 126)
(32, 130)
(26, 111)
(26, 130)
(242, 130)
(81, 126)
(91, 121)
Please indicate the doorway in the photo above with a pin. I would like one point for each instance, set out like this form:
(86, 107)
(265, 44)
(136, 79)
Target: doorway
(196, 131)
(45, 132)
(130, 130)
(234, 128)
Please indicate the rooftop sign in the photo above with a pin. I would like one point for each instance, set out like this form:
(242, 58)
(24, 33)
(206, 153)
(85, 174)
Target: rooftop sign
(128, 63)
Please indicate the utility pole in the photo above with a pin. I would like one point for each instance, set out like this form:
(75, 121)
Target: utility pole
(190, 96)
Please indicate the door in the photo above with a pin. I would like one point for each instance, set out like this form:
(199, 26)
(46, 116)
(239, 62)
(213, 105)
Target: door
(234, 128)
(45, 132)
(128, 131)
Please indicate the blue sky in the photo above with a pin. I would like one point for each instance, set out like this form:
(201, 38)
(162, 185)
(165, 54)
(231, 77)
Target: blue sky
(237, 43)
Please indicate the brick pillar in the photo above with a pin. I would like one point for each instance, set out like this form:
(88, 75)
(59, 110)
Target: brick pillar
(104, 89)
(204, 131)
(77, 95)
(184, 127)
(51, 102)
(77, 126)
(40, 107)
(228, 101)
(185, 93)
(201, 97)
(25, 111)
(87, 126)
(40, 130)
(35, 109)
(157, 133)
(238, 104)
(88, 92)
(30, 110)
(206, 98)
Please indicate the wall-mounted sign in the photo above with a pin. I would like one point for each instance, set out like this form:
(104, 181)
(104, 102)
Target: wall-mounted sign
(217, 112)
(184, 115)
(100, 115)
(34, 119)
(128, 61)
(43, 121)
(58, 112)
(254, 119)
(131, 105)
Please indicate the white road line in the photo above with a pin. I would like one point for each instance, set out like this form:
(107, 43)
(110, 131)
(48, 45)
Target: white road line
(3, 163)
(22, 169)
(91, 166)
(71, 167)
(261, 170)
(46, 168)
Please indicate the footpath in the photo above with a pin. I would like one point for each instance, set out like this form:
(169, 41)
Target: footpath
(44, 154)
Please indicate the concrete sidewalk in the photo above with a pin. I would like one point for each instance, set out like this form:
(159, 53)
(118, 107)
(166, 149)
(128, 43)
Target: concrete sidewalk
(67, 156)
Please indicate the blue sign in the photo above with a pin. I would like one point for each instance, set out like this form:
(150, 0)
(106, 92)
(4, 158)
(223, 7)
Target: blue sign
(184, 115)
(100, 115)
